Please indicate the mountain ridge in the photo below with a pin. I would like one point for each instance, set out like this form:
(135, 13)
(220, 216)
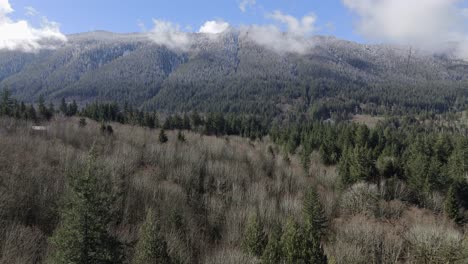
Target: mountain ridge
(230, 72)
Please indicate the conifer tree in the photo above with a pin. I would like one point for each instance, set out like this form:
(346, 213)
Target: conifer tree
(292, 243)
(163, 137)
(63, 107)
(254, 238)
(273, 253)
(362, 167)
(82, 236)
(181, 136)
(344, 169)
(450, 204)
(315, 224)
(6, 103)
(151, 247)
(73, 109)
(43, 111)
(313, 212)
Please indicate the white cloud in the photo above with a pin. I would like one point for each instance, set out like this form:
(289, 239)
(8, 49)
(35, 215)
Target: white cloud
(20, 35)
(5, 8)
(169, 34)
(428, 24)
(304, 26)
(31, 11)
(214, 27)
(244, 4)
(296, 39)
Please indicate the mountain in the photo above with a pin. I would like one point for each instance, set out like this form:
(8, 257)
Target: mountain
(233, 73)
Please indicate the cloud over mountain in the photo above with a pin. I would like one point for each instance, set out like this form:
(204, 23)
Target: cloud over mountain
(430, 24)
(169, 34)
(296, 37)
(21, 35)
(214, 27)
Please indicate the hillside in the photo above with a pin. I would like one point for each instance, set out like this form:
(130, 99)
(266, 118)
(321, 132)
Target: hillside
(232, 73)
(206, 193)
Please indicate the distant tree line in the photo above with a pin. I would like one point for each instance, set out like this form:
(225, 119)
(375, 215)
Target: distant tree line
(210, 124)
(427, 161)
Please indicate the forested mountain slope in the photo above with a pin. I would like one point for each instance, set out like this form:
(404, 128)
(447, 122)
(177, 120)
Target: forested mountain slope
(232, 73)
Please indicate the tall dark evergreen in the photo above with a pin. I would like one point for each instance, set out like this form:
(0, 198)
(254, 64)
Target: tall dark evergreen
(314, 228)
(151, 246)
(292, 242)
(254, 237)
(63, 107)
(451, 204)
(82, 236)
(273, 252)
(163, 137)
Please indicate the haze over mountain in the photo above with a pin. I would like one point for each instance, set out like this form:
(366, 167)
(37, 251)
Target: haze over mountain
(230, 72)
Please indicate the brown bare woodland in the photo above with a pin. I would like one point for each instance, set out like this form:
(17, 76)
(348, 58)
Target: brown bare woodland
(204, 191)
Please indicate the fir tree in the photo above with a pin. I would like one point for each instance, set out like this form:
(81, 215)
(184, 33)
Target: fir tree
(344, 169)
(273, 253)
(82, 122)
(6, 103)
(450, 204)
(73, 109)
(313, 212)
(82, 236)
(163, 137)
(43, 111)
(151, 247)
(292, 243)
(315, 224)
(254, 238)
(181, 136)
(63, 107)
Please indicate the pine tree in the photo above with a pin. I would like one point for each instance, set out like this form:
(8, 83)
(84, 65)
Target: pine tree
(73, 109)
(450, 204)
(181, 136)
(315, 224)
(273, 253)
(292, 243)
(362, 167)
(82, 122)
(163, 137)
(344, 169)
(6, 103)
(43, 111)
(151, 247)
(305, 160)
(254, 238)
(82, 236)
(313, 212)
(63, 107)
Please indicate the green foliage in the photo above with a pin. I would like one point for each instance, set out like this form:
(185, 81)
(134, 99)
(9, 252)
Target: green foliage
(83, 237)
(181, 136)
(151, 246)
(314, 215)
(361, 164)
(450, 204)
(254, 237)
(163, 137)
(82, 122)
(293, 242)
(273, 253)
(314, 228)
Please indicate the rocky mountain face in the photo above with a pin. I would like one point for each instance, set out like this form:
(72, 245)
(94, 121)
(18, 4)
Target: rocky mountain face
(229, 73)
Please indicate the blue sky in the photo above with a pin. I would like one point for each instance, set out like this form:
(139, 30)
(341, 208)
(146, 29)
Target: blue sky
(434, 25)
(124, 16)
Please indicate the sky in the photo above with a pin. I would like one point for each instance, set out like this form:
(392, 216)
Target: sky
(128, 16)
(429, 24)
